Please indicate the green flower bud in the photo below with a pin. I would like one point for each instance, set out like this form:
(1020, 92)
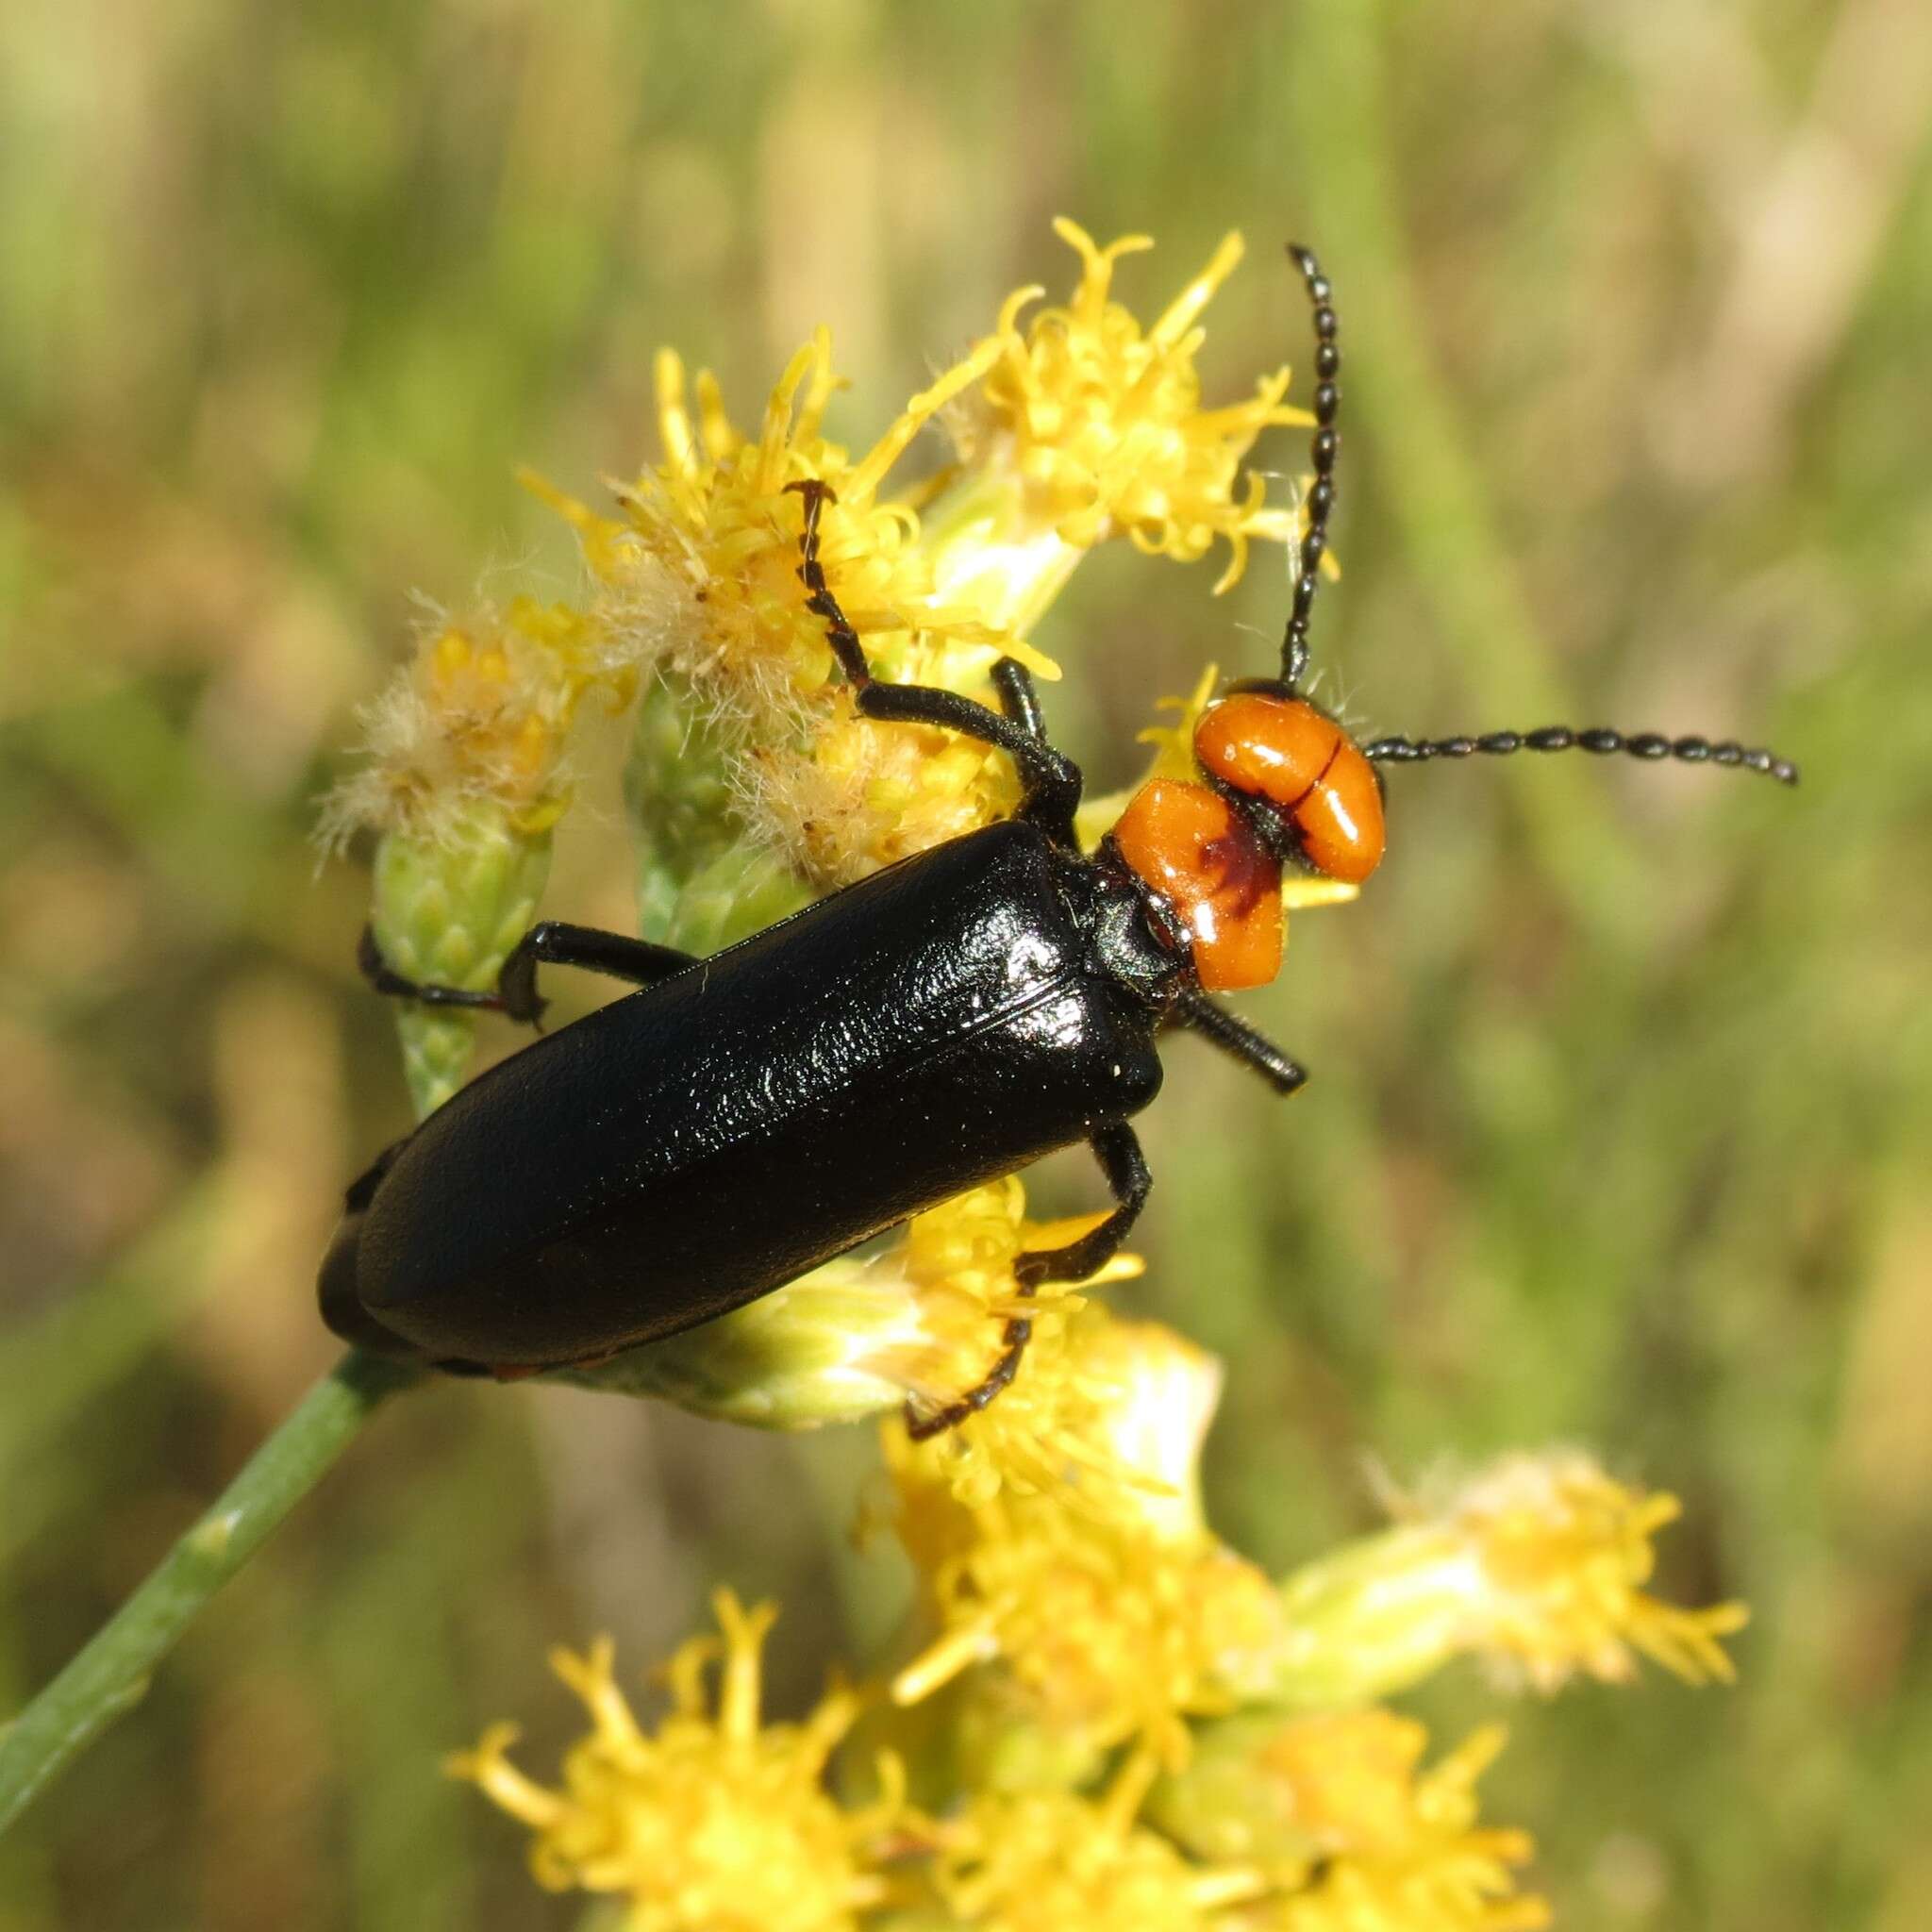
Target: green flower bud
(702, 882)
(811, 1354)
(446, 912)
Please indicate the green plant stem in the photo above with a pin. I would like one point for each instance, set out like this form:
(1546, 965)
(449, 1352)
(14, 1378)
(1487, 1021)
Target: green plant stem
(110, 1675)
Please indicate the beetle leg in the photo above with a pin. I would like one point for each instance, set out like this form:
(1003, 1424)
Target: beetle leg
(923, 1426)
(1049, 782)
(388, 981)
(1019, 699)
(550, 941)
(553, 941)
(1118, 1150)
(1236, 1037)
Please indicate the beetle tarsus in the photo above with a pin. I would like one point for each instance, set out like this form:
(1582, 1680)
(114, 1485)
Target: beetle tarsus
(923, 1425)
(550, 941)
(1118, 1150)
(393, 985)
(555, 942)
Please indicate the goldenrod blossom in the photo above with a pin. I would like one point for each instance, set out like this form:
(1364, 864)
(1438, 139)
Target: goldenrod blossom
(478, 723)
(1055, 1862)
(466, 777)
(1106, 1418)
(1402, 1849)
(1103, 1600)
(712, 1823)
(1537, 1564)
(1358, 1837)
(1100, 423)
(1565, 1551)
(712, 537)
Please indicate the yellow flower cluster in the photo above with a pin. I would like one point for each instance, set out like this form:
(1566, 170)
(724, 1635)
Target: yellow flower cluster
(701, 579)
(1077, 1602)
(1043, 1861)
(713, 1821)
(474, 728)
(1100, 423)
(1109, 1608)
(467, 774)
(1535, 1564)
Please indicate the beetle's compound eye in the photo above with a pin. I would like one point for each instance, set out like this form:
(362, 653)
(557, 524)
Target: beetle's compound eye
(1197, 851)
(1285, 752)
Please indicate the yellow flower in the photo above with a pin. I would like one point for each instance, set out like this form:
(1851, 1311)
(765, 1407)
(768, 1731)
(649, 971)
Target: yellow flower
(1357, 1836)
(1055, 1862)
(1100, 425)
(1109, 1608)
(1537, 1564)
(1399, 1851)
(713, 1822)
(701, 578)
(1563, 1552)
(466, 776)
(476, 724)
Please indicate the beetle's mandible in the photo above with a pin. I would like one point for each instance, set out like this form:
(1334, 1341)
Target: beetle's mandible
(743, 1118)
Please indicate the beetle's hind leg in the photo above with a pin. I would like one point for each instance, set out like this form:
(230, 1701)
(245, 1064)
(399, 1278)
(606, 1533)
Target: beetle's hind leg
(1118, 1150)
(1049, 780)
(550, 941)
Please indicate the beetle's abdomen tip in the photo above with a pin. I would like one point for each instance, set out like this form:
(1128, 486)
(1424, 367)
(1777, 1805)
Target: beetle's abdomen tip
(342, 1307)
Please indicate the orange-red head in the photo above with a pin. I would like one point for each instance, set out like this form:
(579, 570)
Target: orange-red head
(1283, 777)
(1200, 854)
(1280, 751)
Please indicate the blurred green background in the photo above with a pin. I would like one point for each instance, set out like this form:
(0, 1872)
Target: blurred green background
(1620, 1130)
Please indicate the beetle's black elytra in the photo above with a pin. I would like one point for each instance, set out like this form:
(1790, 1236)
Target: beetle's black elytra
(742, 1119)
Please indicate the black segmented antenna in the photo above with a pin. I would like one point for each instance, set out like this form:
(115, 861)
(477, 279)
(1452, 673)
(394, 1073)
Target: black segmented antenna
(1322, 453)
(1320, 505)
(1600, 739)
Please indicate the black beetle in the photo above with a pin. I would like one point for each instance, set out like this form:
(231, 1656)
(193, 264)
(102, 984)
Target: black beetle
(744, 1118)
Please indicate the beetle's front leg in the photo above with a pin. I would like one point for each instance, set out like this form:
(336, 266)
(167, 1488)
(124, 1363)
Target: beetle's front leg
(550, 941)
(1118, 1150)
(1049, 780)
